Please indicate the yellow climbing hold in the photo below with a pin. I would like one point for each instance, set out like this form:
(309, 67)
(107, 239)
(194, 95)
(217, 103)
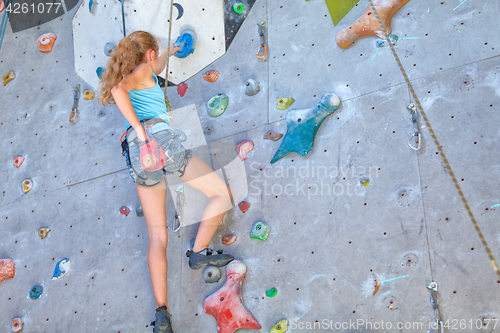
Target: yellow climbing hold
(8, 77)
(88, 95)
(365, 182)
(280, 327)
(284, 103)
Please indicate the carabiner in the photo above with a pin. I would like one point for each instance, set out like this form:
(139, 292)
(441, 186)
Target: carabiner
(177, 223)
(75, 103)
(262, 27)
(416, 134)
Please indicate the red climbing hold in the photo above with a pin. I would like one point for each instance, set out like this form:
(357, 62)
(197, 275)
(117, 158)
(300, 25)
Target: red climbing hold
(182, 88)
(18, 161)
(244, 206)
(229, 239)
(226, 304)
(125, 210)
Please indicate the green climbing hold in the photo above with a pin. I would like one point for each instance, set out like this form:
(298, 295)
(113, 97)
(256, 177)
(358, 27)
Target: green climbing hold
(260, 230)
(271, 292)
(284, 103)
(238, 7)
(217, 105)
(365, 182)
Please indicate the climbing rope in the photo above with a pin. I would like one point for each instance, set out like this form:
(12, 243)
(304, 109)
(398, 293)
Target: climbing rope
(438, 146)
(167, 100)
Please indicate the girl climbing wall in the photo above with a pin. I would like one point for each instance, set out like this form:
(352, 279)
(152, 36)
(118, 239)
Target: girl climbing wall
(153, 150)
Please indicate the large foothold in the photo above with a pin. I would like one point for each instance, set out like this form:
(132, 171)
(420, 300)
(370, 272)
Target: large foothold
(88, 95)
(217, 105)
(251, 87)
(367, 23)
(182, 88)
(211, 76)
(243, 206)
(27, 185)
(125, 210)
(36, 292)
(109, 48)
(284, 103)
(243, 147)
(260, 230)
(7, 269)
(238, 8)
(17, 325)
(45, 42)
(8, 77)
(229, 239)
(43, 232)
(226, 304)
(186, 41)
(211, 274)
(272, 292)
(273, 136)
(302, 126)
(280, 327)
(62, 268)
(18, 161)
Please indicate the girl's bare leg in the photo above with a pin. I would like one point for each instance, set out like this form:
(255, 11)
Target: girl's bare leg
(153, 205)
(201, 177)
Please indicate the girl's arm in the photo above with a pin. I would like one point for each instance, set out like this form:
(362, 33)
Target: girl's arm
(162, 60)
(120, 95)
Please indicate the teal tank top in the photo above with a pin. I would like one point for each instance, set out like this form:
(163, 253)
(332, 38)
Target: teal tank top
(149, 103)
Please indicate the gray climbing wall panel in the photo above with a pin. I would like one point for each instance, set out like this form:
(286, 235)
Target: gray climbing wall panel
(329, 234)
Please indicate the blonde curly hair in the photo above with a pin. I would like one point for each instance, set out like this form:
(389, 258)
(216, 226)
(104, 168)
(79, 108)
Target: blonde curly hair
(128, 54)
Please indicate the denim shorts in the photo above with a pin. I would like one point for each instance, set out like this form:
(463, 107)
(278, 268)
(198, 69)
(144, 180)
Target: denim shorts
(177, 155)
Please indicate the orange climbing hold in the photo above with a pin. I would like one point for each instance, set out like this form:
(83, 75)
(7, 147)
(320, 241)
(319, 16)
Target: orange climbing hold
(18, 161)
(2, 6)
(17, 325)
(367, 23)
(45, 42)
(7, 269)
(229, 239)
(211, 76)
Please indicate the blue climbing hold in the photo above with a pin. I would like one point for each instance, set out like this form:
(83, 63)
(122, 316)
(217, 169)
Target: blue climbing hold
(36, 292)
(99, 71)
(92, 4)
(186, 41)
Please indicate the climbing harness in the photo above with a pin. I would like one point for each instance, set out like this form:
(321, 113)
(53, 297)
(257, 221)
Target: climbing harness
(438, 147)
(176, 222)
(436, 324)
(262, 52)
(416, 134)
(167, 100)
(74, 110)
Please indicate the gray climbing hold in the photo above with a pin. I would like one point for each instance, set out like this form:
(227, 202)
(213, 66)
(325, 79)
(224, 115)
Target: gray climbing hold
(251, 87)
(109, 48)
(139, 211)
(211, 274)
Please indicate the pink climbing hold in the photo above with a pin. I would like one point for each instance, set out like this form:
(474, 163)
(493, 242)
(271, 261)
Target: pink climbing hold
(243, 206)
(125, 210)
(7, 269)
(243, 147)
(182, 88)
(226, 304)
